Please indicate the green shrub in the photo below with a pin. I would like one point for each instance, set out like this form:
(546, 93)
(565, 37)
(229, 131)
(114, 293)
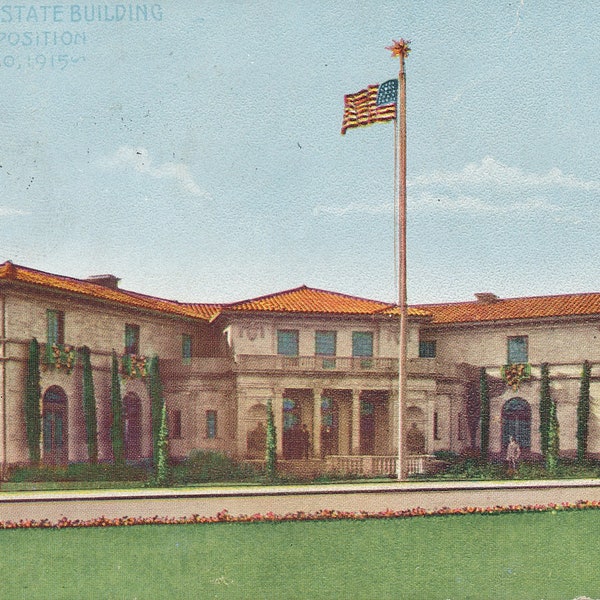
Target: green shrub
(477, 469)
(271, 443)
(446, 455)
(203, 466)
(474, 468)
(78, 472)
(33, 393)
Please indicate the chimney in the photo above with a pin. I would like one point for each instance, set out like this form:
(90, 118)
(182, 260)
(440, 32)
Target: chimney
(486, 297)
(108, 281)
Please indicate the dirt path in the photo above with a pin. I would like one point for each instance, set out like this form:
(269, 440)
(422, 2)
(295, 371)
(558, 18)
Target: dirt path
(210, 501)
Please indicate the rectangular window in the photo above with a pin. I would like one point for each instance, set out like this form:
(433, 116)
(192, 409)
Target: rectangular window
(517, 350)
(362, 348)
(287, 342)
(186, 348)
(175, 424)
(55, 320)
(132, 339)
(325, 345)
(325, 342)
(211, 424)
(427, 349)
(362, 343)
(436, 426)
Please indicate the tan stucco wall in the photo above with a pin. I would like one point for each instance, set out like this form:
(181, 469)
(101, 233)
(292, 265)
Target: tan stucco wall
(257, 335)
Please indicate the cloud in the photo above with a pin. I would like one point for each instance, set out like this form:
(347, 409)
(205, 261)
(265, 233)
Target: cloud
(7, 211)
(139, 159)
(492, 172)
(476, 205)
(485, 188)
(454, 204)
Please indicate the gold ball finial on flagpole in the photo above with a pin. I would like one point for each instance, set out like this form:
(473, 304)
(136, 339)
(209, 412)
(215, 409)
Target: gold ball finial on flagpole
(399, 48)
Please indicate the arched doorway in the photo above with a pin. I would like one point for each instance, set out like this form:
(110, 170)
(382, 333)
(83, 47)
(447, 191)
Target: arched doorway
(132, 412)
(54, 426)
(516, 421)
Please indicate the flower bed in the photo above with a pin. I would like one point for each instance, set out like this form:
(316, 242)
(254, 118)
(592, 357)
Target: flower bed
(321, 515)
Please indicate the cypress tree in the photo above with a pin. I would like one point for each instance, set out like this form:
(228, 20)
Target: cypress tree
(162, 459)
(484, 413)
(553, 438)
(89, 406)
(157, 401)
(583, 411)
(117, 428)
(545, 402)
(33, 394)
(271, 443)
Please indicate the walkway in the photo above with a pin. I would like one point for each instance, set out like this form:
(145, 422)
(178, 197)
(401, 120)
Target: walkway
(283, 499)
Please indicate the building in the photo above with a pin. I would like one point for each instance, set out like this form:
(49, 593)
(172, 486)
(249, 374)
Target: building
(328, 362)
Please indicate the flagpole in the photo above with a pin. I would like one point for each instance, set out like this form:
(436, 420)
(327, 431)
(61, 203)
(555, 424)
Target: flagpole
(401, 49)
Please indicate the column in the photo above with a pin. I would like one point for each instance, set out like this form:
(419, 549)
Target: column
(393, 416)
(278, 418)
(355, 421)
(429, 441)
(316, 443)
(241, 404)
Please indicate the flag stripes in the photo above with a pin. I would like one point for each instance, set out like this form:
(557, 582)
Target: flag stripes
(363, 108)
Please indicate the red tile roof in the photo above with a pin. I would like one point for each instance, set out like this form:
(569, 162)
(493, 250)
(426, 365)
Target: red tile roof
(535, 307)
(315, 301)
(309, 300)
(204, 311)
(304, 299)
(12, 272)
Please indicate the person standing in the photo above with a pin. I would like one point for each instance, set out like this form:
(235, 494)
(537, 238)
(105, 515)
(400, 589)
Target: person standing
(513, 452)
(305, 441)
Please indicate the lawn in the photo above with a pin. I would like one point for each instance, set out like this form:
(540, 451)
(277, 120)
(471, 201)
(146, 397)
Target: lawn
(529, 556)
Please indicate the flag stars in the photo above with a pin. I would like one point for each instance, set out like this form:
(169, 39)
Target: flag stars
(387, 93)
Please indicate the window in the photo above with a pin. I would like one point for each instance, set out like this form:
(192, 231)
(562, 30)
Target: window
(175, 424)
(517, 350)
(362, 343)
(427, 349)
(55, 320)
(287, 342)
(362, 347)
(211, 424)
(132, 339)
(436, 426)
(186, 348)
(325, 343)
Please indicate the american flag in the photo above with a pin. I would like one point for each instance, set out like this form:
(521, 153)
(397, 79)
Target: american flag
(374, 105)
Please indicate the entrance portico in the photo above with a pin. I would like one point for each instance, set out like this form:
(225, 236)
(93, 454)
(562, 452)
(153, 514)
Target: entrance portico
(323, 422)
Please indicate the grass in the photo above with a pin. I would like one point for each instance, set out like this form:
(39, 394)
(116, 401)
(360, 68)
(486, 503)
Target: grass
(517, 556)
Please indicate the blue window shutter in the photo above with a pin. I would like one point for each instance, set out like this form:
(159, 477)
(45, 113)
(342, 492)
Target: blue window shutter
(517, 350)
(427, 349)
(186, 347)
(55, 320)
(362, 343)
(325, 343)
(287, 342)
(211, 424)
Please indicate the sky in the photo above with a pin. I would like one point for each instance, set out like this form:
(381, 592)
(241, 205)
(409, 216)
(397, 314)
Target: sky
(194, 149)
